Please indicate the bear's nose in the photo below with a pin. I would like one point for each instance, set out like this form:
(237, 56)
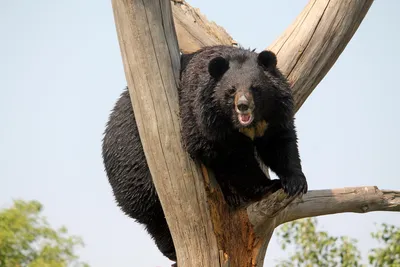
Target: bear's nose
(242, 107)
(242, 104)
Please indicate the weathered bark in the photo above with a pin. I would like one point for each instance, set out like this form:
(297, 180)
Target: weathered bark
(276, 209)
(194, 30)
(150, 55)
(311, 45)
(205, 231)
(351, 199)
(323, 202)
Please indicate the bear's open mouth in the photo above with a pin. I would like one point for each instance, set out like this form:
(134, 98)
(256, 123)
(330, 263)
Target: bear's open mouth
(244, 107)
(245, 118)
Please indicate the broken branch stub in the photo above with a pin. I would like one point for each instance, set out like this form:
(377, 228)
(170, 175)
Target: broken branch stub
(193, 29)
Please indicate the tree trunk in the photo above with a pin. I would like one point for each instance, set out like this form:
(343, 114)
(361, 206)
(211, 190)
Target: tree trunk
(205, 231)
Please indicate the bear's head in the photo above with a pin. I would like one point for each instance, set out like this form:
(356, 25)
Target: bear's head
(249, 89)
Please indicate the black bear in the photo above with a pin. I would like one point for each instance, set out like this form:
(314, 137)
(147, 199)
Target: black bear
(234, 104)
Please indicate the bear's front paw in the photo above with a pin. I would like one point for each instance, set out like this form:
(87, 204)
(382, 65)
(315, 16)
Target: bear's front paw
(295, 184)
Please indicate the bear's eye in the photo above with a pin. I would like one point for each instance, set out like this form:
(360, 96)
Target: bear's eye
(231, 91)
(255, 88)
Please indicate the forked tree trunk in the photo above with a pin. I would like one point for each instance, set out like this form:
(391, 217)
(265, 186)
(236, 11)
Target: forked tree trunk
(205, 231)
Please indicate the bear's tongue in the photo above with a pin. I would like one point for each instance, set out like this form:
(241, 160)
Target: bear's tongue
(244, 118)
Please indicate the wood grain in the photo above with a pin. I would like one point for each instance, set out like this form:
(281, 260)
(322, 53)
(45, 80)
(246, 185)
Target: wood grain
(150, 55)
(310, 46)
(194, 30)
(349, 199)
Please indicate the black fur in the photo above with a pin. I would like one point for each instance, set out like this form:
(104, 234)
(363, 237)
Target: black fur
(210, 79)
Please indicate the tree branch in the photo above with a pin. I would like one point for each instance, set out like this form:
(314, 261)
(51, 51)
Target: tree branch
(349, 199)
(323, 202)
(194, 30)
(311, 45)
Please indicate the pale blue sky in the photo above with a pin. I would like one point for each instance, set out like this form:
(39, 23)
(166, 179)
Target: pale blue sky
(61, 72)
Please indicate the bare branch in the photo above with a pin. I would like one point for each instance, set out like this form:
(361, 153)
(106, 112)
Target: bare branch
(349, 199)
(281, 209)
(194, 30)
(277, 209)
(311, 45)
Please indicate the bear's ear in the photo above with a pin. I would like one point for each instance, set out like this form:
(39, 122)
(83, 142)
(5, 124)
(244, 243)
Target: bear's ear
(267, 60)
(217, 67)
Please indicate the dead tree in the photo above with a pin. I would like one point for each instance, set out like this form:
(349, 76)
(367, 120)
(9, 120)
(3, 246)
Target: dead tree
(205, 231)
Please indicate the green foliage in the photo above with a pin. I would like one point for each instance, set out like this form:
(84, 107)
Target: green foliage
(27, 240)
(318, 248)
(389, 254)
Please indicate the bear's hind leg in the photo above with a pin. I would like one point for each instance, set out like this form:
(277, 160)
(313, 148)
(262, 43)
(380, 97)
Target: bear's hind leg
(159, 230)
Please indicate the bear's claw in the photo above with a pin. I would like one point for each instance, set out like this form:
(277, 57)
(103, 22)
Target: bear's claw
(295, 185)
